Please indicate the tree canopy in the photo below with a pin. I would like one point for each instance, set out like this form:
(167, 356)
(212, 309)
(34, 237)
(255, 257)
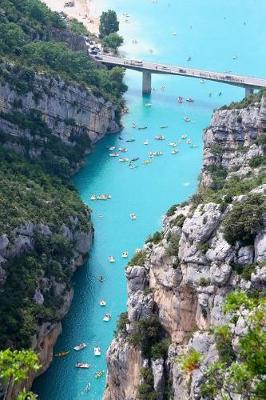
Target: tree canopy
(108, 23)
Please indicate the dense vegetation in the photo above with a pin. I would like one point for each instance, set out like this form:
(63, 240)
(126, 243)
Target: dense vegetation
(240, 371)
(28, 194)
(30, 36)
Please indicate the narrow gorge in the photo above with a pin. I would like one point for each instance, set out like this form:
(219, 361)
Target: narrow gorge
(195, 287)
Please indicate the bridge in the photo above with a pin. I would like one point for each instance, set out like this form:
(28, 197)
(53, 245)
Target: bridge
(148, 68)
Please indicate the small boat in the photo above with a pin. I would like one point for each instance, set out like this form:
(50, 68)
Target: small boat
(133, 125)
(194, 146)
(189, 141)
(134, 159)
(80, 346)
(159, 137)
(112, 148)
(183, 136)
(190, 100)
(146, 142)
(123, 159)
(146, 162)
(174, 151)
(202, 81)
(82, 365)
(142, 127)
(187, 119)
(87, 388)
(122, 149)
(100, 279)
(188, 59)
(111, 259)
(99, 374)
(133, 166)
(97, 351)
(61, 354)
(93, 197)
(114, 155)
(172, 144)
(130, 140)
(157, 153)
(180, 99)
(104, 197)
(148, 105)
(120, 138)
(102, 303)
(124, 254)
(174, 33)
(163, 126)
(133, 216)
(107, 317)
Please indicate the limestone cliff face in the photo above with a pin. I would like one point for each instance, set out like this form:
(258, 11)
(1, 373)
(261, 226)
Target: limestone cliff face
(186, 275)
(69, 112)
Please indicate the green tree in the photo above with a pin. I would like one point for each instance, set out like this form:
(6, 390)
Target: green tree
(108, 23)
(15, 366)
(113, 41)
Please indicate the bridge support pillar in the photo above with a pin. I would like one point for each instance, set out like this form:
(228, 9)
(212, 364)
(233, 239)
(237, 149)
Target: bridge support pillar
(146, 82)
(248, 91)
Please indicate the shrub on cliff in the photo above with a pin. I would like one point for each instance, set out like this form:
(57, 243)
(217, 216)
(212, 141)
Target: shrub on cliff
(113, 41)
(244, 221)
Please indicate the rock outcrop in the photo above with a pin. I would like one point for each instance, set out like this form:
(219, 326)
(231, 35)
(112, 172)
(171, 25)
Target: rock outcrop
(188, 273)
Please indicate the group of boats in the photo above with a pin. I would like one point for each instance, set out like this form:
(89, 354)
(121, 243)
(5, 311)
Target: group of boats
(100, 197)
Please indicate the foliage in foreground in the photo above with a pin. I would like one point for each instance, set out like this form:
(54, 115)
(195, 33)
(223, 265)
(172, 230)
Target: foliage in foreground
(15, 367)
(242, 372)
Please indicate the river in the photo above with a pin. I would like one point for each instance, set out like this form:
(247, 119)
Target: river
(218, 35)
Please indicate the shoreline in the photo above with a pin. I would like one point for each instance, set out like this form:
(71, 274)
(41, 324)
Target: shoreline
(84, 11)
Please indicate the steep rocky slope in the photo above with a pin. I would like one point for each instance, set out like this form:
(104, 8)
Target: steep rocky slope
(176, 327)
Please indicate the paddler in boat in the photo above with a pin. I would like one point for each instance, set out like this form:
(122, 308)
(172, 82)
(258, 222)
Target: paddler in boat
(100, 279)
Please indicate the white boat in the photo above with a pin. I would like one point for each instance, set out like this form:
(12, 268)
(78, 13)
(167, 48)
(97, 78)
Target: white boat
(93, 197)
(148, 105)
(104, 197)
(190, 100)
(80, 346)
(114, 155)
(102, 303)
(99, 374)
(174, 33)
(172, 144)
(97, 351)
(111, 259)
(146, 142)
(124, 254)
(194, 146)
(123, 159)
(123, 149)
(187, 119)
(82, 365)
(174, 151)
(189, 141)
(157, 153)
(133, 166)
(133, 216)
(183, 136)
(107, 317)
(112, 148)
(159, 137)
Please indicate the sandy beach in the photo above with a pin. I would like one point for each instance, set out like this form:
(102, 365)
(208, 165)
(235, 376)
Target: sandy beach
(83, 10)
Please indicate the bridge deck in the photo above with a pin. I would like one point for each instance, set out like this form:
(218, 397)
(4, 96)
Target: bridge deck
(237, 80)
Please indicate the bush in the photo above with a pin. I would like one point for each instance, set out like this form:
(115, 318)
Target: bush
(155, 238)
(190, 361)
(244, 221)
(147, 333)
(223, 340)
(203, 247)
(121, 323)
(257, 161)
(113, 41)
(160, 349)
(173, 245)
(146, 389)
(204, 282)
(138, 259)
(108, 23)
(171, 210)
(218, 175)
(179, 221)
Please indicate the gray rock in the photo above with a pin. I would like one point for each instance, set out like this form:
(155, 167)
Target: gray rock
(83, 241)
(260, 246)
(158, 375)
(38, 297)
(245, 255)
(136, 278)
(219, 274)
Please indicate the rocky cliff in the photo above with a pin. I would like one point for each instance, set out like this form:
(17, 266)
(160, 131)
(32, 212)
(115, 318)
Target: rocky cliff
(176, 331)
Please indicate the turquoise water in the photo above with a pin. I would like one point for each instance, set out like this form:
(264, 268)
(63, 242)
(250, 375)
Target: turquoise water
(211, 33)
